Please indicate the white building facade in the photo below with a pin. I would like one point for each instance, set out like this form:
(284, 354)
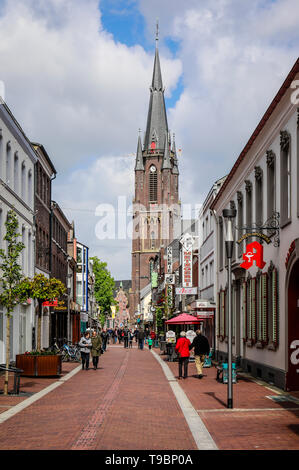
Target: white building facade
(17, 160)
(263, 188)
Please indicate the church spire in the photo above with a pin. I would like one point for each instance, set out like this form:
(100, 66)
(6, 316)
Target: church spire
(139, 158)
(156, 119)
(175, 169)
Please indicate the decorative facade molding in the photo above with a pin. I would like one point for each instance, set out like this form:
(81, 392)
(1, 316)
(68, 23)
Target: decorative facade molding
(232, 205)
(248, 186)
(239, 196)
(285, 140)
(270, 157)
(258, 173)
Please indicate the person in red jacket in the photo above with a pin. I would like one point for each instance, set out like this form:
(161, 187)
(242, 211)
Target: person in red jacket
(182, 350)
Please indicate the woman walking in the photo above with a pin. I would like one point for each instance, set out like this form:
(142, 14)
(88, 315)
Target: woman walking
(85, 347)
(96, 342)
(182, 350)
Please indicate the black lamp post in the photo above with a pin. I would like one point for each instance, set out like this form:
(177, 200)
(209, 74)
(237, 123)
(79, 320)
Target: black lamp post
(229, 214)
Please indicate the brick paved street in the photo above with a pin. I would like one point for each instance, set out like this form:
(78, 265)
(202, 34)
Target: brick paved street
(128, 404)
(256, 422)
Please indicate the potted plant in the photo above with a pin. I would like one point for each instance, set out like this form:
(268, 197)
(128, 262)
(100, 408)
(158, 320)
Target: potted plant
(39, 362)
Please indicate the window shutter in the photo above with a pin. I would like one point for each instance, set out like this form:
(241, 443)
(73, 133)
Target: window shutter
(244, 311)
(275, 306)
(264, 310)
(252, 331)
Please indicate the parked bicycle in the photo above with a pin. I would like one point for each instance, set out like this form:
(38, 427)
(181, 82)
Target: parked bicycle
(70, 352)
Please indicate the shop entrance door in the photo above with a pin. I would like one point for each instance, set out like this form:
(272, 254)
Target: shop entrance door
(293, 329)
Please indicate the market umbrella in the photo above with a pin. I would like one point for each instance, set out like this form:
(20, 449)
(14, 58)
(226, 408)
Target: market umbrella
(183, 319)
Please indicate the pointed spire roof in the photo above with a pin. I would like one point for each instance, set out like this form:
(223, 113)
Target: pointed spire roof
(156, 119)
(166, 165)
(139, 158)
(175, 169)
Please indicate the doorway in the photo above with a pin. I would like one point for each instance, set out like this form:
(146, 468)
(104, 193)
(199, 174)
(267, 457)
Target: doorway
(293, 329)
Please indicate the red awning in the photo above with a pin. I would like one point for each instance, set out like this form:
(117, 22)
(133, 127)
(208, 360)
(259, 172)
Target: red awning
(183, 319)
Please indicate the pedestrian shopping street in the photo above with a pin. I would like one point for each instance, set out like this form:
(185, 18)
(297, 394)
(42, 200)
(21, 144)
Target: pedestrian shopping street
(135, 401)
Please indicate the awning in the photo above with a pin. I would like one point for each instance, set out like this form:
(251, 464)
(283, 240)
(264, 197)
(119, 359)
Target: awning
(183, 319)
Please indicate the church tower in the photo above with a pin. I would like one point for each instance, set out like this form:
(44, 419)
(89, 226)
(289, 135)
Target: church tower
(156, 202)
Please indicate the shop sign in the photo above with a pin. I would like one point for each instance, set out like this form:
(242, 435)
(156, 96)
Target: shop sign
(169, 259)
(169, 296)
(250, 256)
(154, 279)
(170, 336)
(186, 290)
(187, 268)
(169, 278)
(84, 317)
(254, 234)
(50, 303)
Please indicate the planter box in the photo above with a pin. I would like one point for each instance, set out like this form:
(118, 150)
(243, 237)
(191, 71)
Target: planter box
(39, 366)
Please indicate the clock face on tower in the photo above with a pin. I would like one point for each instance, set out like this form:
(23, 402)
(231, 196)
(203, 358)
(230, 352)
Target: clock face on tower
(152, 168)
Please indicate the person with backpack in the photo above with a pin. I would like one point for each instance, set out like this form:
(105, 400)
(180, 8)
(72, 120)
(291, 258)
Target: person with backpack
(150, 342)
(201, 349)
(182, 350)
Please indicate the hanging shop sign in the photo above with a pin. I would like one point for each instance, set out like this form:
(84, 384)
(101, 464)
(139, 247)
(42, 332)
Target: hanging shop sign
(186, 290)
(169, 296)
(187, 268)
(169, 259)
(254, 252)
(154, 279)
(254, 234)
(169, 278)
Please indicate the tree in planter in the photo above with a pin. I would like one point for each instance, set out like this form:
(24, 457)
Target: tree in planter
(42, 288)
(103, 288)
(11, 279)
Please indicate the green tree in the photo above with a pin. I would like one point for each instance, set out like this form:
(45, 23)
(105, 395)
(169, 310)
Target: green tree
(42, 288)
(104, 287)
(11, 279)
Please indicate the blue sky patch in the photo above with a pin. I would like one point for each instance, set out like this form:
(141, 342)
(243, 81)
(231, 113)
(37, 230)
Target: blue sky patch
(123, 19)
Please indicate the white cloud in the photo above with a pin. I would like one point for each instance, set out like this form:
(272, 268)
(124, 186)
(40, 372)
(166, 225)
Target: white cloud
(84, 95)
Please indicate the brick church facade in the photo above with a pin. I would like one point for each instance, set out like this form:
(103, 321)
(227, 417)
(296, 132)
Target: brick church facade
(156, 206)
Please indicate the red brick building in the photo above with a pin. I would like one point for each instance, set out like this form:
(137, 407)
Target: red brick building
(156, 203)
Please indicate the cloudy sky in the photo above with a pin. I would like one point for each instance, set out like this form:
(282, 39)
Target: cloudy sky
(77, 76)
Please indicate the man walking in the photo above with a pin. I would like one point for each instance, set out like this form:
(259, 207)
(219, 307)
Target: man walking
(126, 338)
(140, 337)
(104, 339)
(201, 349)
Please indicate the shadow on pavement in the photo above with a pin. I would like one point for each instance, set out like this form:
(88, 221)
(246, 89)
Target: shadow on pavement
(212, 394)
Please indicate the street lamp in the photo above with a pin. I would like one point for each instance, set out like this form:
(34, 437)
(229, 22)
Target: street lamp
(229, 214)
